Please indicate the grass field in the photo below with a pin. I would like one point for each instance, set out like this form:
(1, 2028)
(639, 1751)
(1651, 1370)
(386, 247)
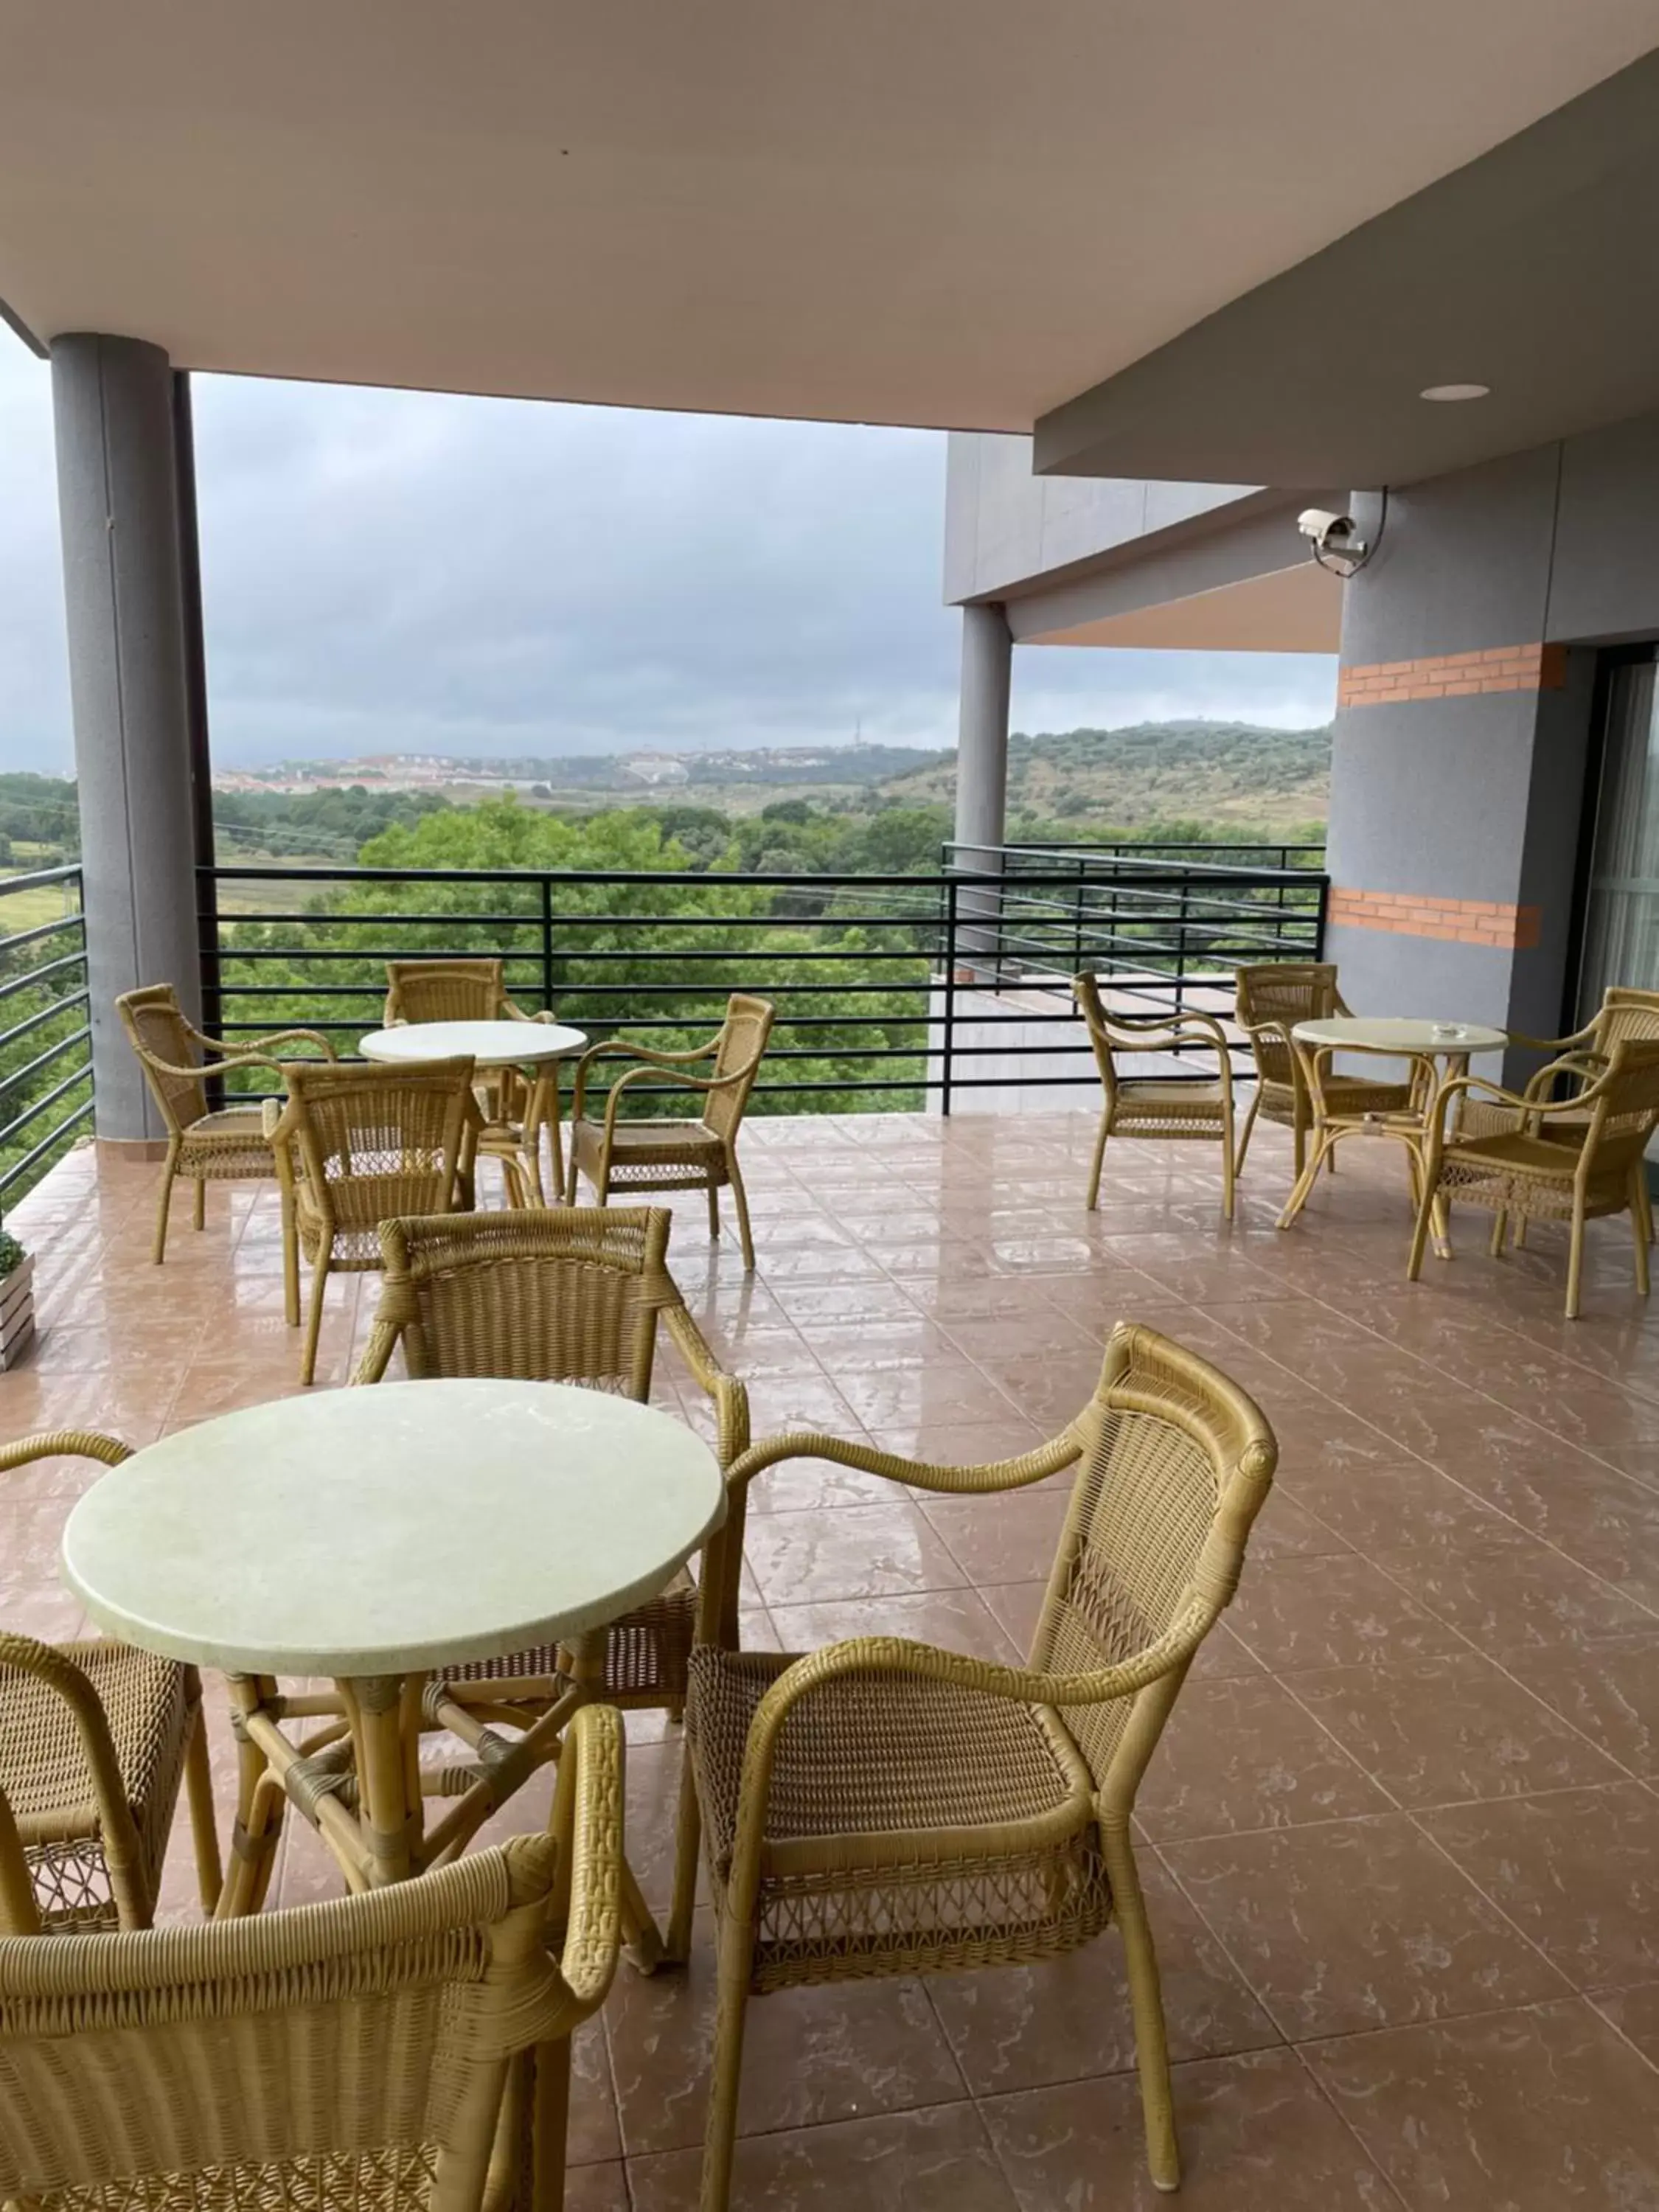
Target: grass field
(29, 909)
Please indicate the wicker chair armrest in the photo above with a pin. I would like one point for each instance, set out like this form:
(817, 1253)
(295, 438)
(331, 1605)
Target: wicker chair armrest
(729, 1396)
(58, 1672)
(1551, 1044)
(234, 1052)
(1536, 1109)
(968, 1480)
(64, 1443)
(1588, 1065)
(620, 1048)
(659, 1072)
(511, 1011)
(586, 1916)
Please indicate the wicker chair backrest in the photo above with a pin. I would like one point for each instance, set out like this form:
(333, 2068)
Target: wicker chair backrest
(742, 1042)
(570, 1294)
(444, 990)
(1286, 992)
(375, 1142)
(1176, 1464)
(343, 2054)
(158, 1032)
(1625, 1113)
(1626, 1014)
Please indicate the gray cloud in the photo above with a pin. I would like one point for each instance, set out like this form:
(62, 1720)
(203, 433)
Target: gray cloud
(396, 571)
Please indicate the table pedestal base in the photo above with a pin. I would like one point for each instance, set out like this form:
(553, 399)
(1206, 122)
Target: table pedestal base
(359, 1779)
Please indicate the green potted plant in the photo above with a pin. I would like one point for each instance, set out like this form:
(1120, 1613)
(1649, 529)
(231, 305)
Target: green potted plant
(16, 1301)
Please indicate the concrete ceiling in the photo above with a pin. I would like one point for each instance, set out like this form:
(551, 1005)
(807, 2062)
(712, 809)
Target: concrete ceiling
(950, 212)
(1529, 271)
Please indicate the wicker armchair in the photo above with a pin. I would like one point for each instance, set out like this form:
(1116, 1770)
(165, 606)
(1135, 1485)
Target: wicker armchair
(513, 1114)
(570, 1295)
(354, 1145)
(1575, 1161)
(406, 2050)
(94, 1740)
(226, 1145)
(1576, 1061)
(883, 1807)
(1141, 1106)
(1272, 1000)
(615, 1153)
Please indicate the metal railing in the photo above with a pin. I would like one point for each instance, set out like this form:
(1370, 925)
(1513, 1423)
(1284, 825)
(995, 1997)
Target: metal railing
(890, 989)
(46, 1034)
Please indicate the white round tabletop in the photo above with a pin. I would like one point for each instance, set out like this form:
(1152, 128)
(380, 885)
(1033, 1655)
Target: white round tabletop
(1386, 1033)
(389, 1529)
(491, 1044)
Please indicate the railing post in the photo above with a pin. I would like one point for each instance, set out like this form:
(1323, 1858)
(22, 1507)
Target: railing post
(1319, 921)
(950, 994)
(547, 944)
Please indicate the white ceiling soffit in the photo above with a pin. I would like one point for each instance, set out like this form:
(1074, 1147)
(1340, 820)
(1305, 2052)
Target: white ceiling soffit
(1296, 609)
(950, 212)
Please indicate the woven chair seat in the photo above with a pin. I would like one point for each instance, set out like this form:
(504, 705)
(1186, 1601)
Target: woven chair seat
(647, 1654)
(230, 1143)
(151, 1705)
(642, 1151)
(971, 1819)
(1357, 1094)
(1174, 1109)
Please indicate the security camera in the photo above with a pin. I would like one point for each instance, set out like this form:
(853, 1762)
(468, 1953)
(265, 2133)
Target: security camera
(1335, 546)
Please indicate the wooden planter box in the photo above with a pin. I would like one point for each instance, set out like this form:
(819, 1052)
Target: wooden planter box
(17, 1314)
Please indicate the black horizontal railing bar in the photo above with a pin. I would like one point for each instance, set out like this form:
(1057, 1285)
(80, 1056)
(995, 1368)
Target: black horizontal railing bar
(231, 953)
(46, 1014)
(42, 929)
(330, 919)
(1105, 859)
(11, 1076)
(21, 1165)
(972, 884)
(32, 1112)
(563, 991)
(15, 984)
(68, 872)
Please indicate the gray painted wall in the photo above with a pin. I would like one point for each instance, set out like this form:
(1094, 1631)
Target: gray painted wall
(1482, 798)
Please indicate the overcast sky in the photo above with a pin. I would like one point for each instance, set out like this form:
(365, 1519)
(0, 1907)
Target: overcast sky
(393, 571)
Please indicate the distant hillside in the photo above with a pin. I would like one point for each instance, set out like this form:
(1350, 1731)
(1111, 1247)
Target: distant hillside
(1215, 771)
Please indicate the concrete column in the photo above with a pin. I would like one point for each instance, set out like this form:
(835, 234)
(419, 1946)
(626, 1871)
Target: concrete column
(983, 741)
(117, 500)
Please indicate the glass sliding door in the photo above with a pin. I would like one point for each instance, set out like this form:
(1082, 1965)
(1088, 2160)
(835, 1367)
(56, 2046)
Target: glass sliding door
(1621, 910)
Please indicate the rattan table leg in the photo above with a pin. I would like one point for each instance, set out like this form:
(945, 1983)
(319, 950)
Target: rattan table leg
(390, 1809)
(259, 1803)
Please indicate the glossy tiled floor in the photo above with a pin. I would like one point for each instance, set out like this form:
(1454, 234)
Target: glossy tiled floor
(1400, 1843)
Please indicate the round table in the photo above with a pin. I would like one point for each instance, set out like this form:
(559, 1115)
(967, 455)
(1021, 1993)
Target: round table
(537, 1047)
(377, 1537)
(1423, 1044)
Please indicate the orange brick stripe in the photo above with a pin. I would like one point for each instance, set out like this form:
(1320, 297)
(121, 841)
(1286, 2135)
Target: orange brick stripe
(1463, 922)
(1454, 676)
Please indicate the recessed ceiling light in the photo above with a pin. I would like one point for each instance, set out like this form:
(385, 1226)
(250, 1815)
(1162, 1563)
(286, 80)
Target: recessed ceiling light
(1456, 391)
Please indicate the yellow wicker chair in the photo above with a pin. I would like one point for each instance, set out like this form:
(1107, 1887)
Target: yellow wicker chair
(1576, 1061)
(513, 1114)
(883, 1807)
(619, 1154)
(94, 1740)
(227, 1145)
(570, 1295)
(356, 1145)
(1272, 1000)
(406, 2050)
(1141, 1106)
(1575, 1161)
